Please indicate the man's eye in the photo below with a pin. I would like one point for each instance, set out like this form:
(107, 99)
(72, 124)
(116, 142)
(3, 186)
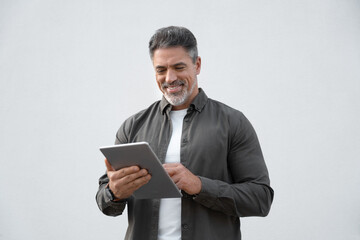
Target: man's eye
(160, 70)
(179, 68)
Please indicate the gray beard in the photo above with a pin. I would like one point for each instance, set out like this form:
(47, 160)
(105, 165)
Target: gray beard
(179, 98)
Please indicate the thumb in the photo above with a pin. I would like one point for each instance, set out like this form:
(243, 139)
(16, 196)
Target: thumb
(108, 166)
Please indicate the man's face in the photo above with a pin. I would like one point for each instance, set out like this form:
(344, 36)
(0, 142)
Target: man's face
(176, 75)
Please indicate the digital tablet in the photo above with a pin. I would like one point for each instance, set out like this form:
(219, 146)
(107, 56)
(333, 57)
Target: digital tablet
(141, 154)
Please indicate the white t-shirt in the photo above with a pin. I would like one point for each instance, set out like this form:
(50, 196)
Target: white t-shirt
(170, 208)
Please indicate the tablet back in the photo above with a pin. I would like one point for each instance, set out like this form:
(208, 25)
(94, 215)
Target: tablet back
(141, 154)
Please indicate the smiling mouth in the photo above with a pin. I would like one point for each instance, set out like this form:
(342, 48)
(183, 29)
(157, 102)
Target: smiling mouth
(174, 87)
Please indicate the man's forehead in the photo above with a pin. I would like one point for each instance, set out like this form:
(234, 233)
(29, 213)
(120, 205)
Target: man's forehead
(170, 56)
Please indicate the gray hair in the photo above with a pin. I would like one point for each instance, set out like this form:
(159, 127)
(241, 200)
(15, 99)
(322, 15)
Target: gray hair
(174, 37)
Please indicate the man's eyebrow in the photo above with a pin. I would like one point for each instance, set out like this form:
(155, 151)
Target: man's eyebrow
(159, 66)
(174, 65)
(179, 64)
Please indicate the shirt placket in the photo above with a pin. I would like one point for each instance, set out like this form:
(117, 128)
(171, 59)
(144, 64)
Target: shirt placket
(185, 141)
(164, 144)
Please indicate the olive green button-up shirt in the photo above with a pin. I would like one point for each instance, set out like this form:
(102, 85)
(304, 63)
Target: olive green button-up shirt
(219, 145)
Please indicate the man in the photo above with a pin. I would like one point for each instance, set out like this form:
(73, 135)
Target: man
(209, 150)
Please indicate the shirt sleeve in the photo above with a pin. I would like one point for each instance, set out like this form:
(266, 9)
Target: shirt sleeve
(104, 203)
(250, 193)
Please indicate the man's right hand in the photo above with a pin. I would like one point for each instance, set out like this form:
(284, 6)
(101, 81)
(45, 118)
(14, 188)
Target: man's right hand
(125, 181)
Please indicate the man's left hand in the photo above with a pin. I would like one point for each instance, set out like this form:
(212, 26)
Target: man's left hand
(183, 178)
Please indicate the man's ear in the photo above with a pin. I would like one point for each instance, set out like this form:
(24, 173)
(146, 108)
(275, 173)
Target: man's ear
(198, 65)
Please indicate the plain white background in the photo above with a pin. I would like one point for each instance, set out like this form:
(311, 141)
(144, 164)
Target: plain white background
(72, 71)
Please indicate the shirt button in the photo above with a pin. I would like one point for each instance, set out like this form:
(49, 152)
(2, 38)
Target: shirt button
(185, 226)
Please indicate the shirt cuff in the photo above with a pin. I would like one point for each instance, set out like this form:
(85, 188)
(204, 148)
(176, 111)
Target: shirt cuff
(116, 203)
(208, 194)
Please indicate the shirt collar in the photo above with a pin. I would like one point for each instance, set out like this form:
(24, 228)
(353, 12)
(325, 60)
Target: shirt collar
(197, 104)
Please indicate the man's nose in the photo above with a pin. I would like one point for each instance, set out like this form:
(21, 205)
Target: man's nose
(170, 76)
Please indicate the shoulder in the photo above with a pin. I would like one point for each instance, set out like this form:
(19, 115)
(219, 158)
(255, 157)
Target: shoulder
(153, 109)
(224, 109)
(236, 121)
(136, 120)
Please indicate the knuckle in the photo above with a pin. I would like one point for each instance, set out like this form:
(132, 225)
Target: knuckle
(111, 177)
(116, 185)
(128, 178)
(123, 172)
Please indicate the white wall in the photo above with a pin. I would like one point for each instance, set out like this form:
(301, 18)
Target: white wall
(72, 71)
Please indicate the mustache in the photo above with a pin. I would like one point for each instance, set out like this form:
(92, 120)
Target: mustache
(174, 83)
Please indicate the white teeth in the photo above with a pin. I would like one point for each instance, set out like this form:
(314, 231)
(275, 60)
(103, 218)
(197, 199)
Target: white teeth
(174, 87)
